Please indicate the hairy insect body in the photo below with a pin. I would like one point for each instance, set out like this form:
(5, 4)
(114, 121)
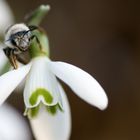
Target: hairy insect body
(18, 39)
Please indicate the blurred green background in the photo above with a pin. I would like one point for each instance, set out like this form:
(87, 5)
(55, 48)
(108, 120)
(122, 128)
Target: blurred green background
(101, 37)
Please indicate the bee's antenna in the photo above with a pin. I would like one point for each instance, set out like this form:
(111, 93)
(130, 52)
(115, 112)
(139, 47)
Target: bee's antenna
(32, 27)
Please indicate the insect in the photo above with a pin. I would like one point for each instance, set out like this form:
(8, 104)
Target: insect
(18, 40)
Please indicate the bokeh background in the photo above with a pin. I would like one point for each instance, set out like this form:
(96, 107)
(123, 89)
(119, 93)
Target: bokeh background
(103, 38)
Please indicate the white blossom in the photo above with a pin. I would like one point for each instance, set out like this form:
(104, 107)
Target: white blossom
(12, 124)
(43, 93)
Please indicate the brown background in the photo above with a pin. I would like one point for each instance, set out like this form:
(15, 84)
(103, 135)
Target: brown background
(102, 37)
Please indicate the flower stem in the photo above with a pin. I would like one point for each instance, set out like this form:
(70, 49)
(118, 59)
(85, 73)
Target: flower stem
(36, 16)
(42, 47)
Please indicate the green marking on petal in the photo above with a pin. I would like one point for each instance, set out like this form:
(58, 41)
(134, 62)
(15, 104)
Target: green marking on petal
(59, 107)
(53, 109)
(32, 112)
(40, 92)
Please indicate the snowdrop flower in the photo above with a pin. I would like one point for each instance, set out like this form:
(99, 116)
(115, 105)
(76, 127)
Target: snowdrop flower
(44, 98)
(42, 89)
(12, 125)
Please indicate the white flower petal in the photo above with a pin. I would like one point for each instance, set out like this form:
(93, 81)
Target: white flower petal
(12, 125)
(10, 80)
(57, 127)
(40, 79)
(83, 84)
(6, 16)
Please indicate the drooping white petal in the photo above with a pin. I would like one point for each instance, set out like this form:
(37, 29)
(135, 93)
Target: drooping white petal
(40, 79)
(12, 124)
(56, 127)
(83, 84)
(6, 16)
(10, 80)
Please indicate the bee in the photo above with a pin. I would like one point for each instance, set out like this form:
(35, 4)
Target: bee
(18, 40)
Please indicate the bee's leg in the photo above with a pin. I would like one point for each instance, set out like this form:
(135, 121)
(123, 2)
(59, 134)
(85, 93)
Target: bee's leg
(14, 59)
(37, 40)
(11, 56)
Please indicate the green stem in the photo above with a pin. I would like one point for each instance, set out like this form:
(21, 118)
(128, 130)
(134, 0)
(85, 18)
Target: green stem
(36, 16)
(35, 49)
(34, 19)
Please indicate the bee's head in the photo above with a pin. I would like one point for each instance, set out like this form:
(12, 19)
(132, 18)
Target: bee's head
(18, 36)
